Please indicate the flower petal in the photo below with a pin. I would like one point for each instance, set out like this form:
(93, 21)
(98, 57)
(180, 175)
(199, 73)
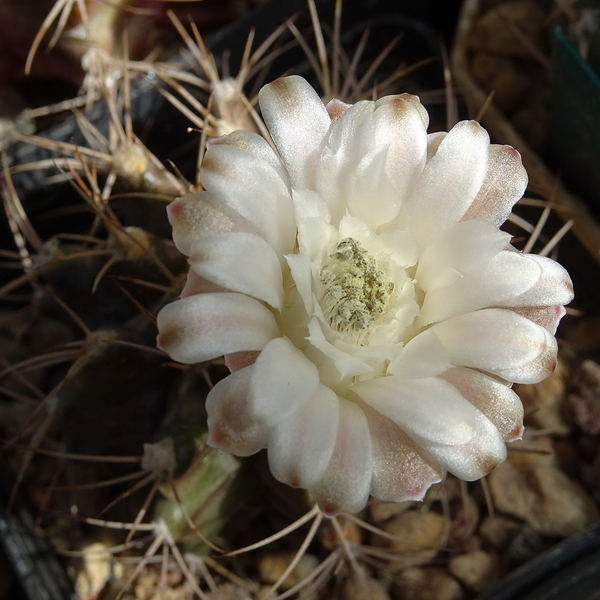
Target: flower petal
(300, 447)
(241, 262)
(500, 282)
(481, 455)
(231, 427)
(194, 284)
(197, 214)
(494, 399)
(554, 286)
(251, 187)
(423, 356)
(283, 380)
(546, 316)
(401, 125)
(206, 326)
(464, 248)
(505, 183)
(345, 485)
(255, 144)
(401, 469)
(448, 183)
(298, 123)
(429, 410)
(500, 342)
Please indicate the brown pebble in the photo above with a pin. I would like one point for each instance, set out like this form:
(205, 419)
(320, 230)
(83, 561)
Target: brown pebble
(429, 583)
(476, 570)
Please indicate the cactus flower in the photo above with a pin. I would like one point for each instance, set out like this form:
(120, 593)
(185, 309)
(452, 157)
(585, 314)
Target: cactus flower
(371, 312)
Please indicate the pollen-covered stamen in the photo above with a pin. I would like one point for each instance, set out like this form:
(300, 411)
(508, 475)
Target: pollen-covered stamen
(357, 290)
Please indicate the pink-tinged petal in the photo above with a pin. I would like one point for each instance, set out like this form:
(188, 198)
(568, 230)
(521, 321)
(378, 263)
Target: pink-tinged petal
(464, 248)
(241, 262)
(505, 183)
(255, 144)
(283, 379)
(231, 427)
(401, 469)
(494, 399)
(300, 447)
(401, 125)
(206, 326)
(298, 123)
(336, 108)
(500, 342)
(481, 455)
(249, 186)
(394, 156)
(238, 360)
(197, 214)
(546, 316)
(448, 183)
(345, 146)
(554, 286)
(194, 284)
(500, 282)
(345, 484)
(429, 410)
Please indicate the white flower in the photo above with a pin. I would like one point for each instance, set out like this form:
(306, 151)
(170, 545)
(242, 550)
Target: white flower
(372, 314)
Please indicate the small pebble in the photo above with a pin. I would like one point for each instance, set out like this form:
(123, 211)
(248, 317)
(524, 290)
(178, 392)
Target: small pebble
(476, 570)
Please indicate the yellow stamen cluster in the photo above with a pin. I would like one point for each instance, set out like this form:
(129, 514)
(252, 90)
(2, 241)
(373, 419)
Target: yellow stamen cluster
(357, 290)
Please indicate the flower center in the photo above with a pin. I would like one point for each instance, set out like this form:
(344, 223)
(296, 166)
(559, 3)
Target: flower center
(357, 290)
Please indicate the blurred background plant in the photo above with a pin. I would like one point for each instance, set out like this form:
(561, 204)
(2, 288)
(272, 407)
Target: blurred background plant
(103, 437)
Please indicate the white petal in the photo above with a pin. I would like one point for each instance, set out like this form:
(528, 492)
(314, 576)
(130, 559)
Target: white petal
(346, 364)
(430, 410)
(501, 282)
(194, 284)
(546, 316)
(371, 195)
(462, 249)
(494, 399)
(500, 342)
(436, 416)
(345, 485)
(252, 188)
(474, 460)
(198, 214)
(241, 262)
(206, 326)
(423, 356)
(505, 183)
(231, 427)
(401, 469)
(255, 144)
(298, 123)
(401, 124)
(300, 447)
(433, 142)
(554, 286)
(312, 220)
(401, 247)
(283, 379)
(301, 274)
(344, 147)
(448, 183)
